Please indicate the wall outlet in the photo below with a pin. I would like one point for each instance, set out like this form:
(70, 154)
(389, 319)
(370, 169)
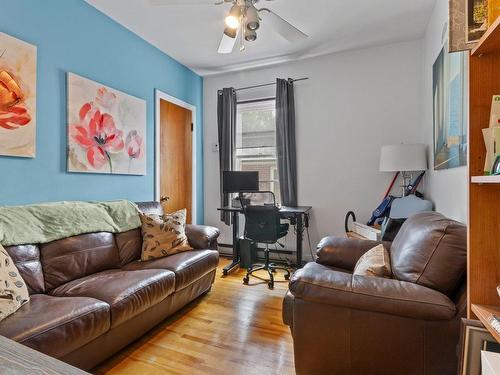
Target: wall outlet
(215, 147)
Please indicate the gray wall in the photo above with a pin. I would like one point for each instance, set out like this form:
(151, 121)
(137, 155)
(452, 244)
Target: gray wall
(353, 103)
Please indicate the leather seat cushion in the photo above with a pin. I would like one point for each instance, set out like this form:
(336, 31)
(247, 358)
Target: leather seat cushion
(188, 266)
(127, 292)
(57, 326)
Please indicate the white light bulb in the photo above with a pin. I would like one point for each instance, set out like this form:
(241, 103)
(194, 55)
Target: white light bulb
(232, 22)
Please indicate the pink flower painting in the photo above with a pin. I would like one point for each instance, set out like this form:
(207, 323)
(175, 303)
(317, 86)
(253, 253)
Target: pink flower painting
(97, 128)
(17, 97)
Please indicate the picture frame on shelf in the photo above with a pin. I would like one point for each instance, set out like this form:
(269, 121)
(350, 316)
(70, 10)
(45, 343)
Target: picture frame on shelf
(474, 337)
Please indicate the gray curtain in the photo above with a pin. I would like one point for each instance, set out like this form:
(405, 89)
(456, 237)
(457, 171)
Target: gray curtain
(285, 141)
(226, 118)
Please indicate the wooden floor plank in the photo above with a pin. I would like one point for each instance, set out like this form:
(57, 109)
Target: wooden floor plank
(234, 329)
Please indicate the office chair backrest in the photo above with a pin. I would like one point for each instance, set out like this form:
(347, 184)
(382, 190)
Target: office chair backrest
(262, 217)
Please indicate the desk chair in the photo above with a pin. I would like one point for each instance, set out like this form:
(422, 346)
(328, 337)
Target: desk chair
(263, 225)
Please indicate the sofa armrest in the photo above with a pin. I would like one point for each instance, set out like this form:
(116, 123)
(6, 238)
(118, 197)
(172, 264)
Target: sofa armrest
(344, 252)
(319, 284)
(202, 236)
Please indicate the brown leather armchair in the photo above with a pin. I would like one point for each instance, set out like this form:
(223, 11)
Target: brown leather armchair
(349, 324)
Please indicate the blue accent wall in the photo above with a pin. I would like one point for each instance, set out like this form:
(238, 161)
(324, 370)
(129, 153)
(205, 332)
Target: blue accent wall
(72, 36)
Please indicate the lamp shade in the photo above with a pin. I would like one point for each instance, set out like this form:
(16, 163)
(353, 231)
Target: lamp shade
(403, 158)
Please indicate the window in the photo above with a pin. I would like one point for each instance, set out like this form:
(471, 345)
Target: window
(256, 143)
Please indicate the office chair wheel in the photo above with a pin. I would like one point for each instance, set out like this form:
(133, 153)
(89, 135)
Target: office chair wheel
(287, 276)
(246, 279)
(270, 284)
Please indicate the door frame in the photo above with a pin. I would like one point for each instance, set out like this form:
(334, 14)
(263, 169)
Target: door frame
(159, 96)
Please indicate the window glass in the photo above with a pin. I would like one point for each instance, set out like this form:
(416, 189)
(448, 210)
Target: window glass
(256, 143)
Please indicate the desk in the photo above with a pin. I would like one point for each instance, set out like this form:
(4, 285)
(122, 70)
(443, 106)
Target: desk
(291, 213)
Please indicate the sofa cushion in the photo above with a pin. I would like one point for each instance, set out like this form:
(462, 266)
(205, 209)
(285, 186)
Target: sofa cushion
(188, 266)
(164, 235)
(375, 262)
(57, 326)
(319, 284)
(78, 256)
(127, 292)
(129, 245)
(13, 290)
(27, 260)
(430, 250)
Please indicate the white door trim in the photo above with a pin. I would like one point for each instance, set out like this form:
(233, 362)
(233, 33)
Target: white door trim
(160, 95)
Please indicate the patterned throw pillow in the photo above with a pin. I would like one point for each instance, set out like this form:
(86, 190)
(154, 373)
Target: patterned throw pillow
(164, 235)
(375, 262)
(13, 290)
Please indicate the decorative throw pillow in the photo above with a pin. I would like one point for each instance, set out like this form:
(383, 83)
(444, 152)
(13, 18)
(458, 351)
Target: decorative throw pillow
(13, 290)
(375, 262)
(164, 235)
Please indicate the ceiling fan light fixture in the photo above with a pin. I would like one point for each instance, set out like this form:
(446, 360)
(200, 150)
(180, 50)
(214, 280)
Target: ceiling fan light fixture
(233, 18)
(250, 35)
(252, 17)
(231, 32)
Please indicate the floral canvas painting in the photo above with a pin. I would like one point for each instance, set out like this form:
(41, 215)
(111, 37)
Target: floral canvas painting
(17, 97)
(106, 129)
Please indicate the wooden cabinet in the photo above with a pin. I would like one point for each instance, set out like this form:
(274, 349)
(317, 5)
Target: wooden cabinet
(484, 191)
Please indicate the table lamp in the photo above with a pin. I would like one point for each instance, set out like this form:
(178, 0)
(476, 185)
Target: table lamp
(403, 158)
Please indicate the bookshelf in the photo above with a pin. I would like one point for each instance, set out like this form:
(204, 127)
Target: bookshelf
(484, 191)
(486, 315)
(485, 179)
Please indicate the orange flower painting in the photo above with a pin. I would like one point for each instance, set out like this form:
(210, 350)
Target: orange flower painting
(17, 97)
(106, 129)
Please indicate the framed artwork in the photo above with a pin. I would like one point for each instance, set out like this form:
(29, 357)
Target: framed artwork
(468, 21)
(476, 17)
(474, 338)
(106, 129)
(17, 97)
(457, 27)
(450, 110)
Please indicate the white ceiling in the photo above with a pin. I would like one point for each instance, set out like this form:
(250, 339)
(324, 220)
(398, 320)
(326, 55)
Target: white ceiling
(191, 33)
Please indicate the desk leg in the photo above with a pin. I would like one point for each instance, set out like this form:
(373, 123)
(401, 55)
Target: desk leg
(236, 244)
(300, 233)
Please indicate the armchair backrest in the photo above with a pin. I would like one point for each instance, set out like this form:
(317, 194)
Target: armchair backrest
(431, 250)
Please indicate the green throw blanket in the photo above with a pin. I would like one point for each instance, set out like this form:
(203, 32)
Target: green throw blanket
(42, 223)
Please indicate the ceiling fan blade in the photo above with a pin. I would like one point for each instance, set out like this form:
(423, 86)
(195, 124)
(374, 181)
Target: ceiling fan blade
(183, 2)
(227, 43)
(282, 27)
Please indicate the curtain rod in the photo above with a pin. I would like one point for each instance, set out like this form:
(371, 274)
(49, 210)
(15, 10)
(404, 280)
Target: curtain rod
(266, 84)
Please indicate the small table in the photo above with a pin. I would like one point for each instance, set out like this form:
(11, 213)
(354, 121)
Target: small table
(296, 214)
(17, 359)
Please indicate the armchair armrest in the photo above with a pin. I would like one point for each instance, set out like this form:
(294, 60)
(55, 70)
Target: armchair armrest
(202, 236)
(344, 252)
(319, 284)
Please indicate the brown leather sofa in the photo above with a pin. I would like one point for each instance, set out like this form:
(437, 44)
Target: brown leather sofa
(345, 324)
(91, 296)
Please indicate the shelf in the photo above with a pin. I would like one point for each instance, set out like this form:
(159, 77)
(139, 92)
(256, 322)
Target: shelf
(490, 41)
(485, 313)
(485, 179)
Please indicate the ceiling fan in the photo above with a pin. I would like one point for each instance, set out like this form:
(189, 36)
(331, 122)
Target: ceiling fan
(243, 20)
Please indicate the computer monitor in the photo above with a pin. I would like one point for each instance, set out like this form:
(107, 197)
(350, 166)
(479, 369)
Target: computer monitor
(236, 181)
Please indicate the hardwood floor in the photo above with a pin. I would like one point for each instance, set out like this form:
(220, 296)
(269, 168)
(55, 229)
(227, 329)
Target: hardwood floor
(234, 329)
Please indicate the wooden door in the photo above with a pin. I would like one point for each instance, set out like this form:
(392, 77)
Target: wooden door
(176, 152)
